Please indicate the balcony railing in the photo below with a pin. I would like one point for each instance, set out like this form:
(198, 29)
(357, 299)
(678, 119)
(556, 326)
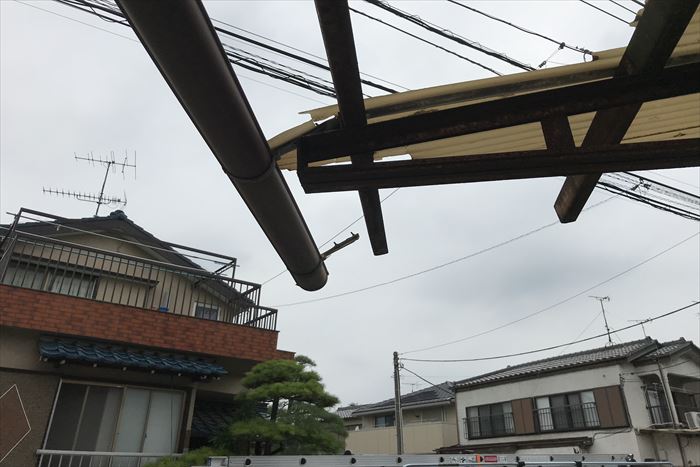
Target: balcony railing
(489, 426)
(569, 417)
(56, 458)
(51, 265)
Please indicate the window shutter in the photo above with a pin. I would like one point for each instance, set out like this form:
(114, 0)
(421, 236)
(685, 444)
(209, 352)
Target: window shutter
(523, 416)
(611, 407)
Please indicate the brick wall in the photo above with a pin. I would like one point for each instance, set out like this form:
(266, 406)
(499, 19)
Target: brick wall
(53, 313)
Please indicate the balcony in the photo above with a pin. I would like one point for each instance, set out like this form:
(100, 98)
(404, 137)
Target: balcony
(567, 418)
(60, 267)
(489, 426)
(58, 458)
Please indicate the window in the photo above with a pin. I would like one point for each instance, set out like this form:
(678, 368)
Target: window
(659, 411)
(489, 420)
(381, 421)
(91, 417)
(60, 281)
(561, 412)
(206, 311)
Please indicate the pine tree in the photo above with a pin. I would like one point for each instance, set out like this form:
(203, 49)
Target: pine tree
(293, 419)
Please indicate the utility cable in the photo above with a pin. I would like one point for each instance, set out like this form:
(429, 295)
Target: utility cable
(604, 11)
(436, 386)
(393, 192)
(558, 303)
(553, 347)
(450, 35)
(473, 62)
(439, 266)
(624, 7)
(562, 44)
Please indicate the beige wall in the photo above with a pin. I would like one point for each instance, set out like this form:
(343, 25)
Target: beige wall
(420, 437)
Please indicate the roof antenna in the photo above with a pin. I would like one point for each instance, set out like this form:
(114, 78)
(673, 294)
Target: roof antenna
(109, 163)
(641, 323)
(607, 328)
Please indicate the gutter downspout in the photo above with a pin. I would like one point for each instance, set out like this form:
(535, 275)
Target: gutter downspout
(182, 42)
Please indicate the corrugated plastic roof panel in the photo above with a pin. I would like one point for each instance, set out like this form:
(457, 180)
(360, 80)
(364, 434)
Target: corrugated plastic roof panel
(667, 119)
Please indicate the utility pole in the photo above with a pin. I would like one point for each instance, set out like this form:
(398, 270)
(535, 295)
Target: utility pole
(398, 416)
(607, 328)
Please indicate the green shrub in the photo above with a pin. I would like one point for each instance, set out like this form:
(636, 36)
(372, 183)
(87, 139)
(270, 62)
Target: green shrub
(194, 457)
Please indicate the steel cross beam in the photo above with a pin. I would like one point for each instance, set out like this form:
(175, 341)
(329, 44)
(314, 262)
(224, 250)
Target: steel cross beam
(651, 45)
(504, 166)
(501, 113)
(336, 29)
(181, 40)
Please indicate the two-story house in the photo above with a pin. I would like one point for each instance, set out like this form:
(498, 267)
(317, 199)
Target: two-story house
(117, 347)
(639, 397)
(429, 422)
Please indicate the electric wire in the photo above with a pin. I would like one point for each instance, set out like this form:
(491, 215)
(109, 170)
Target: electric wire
(446, 33)
(473, 62)
(641, 4)
(553, 347)
(556, 304)
(392, 193)
(436, 386)
(136, 41)
(439, 266)
(623, 7)
(604, 11)
(562, 44)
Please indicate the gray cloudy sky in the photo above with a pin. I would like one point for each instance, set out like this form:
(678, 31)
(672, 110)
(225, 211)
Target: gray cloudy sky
(67, 87)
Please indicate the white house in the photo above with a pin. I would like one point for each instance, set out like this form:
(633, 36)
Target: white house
(613, 399)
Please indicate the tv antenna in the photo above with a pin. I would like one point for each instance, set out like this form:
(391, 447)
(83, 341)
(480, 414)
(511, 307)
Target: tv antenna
(607, 328)
(641, 323)
(109, 163)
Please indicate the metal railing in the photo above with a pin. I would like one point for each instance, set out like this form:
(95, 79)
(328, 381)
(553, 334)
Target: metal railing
(489, 426)
(59, 458)
(52, 265)
(568, 417)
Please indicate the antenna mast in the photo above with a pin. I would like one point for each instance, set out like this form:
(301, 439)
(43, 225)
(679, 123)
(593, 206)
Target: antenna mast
(607, 328)
(100, 198)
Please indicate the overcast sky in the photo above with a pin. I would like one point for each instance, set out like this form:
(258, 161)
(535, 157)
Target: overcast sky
(68, 88)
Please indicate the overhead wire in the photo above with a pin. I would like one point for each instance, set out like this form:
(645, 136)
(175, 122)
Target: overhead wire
(552, 347)
(403, 31)
(439, 266)
(437, 386)
(562, 44)
(392, 193)
(604, 11)
(557, 303)
(623, 7)
(446, 33)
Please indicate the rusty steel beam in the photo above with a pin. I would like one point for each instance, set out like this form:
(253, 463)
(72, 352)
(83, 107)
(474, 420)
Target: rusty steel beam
(336, 29)
(651, 45)
(504, 166)
(506, 112)
(181, 40)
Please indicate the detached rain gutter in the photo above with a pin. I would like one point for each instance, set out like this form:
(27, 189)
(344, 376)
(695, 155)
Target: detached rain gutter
(180, 39)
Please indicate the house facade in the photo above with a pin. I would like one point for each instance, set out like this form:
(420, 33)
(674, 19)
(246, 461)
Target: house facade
(114, 342)
(429, 422)
(638, 397)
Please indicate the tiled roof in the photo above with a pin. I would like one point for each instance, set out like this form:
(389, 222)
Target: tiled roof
(434, 394)
(578, 359)
(348, 410)
(211, 417)
(104, 354)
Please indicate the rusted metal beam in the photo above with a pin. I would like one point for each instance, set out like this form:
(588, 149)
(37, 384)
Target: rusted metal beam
(506, 112)
(336, 29)
(651, 45)
(504, 166)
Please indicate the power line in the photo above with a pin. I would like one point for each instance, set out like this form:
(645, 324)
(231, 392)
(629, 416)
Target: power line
(435, 268)
(393, 192)
(562, 44)
(556, 304)
(544, 349)
(437, 386)
(473, 62)
(450, 35)
(604, 11)
(623, 7)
